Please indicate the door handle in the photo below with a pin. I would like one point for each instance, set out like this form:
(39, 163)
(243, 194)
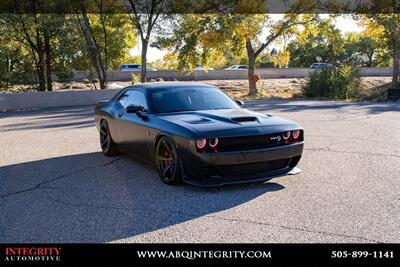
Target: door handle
(120, 114)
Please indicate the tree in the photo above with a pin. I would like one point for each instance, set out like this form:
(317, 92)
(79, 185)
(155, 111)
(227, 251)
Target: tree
(108, 37)
(169, 61)
(93, 47)
(194, 40)
(15, 58)
(281, 59)
(251, 24)
(195, 36)
(389, 20)
(145, 14)
(391, 25)
(319, 40)
(36, 30)
(369, 47)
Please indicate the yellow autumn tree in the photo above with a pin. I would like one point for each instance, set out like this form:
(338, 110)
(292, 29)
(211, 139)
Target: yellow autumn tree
(281, 59)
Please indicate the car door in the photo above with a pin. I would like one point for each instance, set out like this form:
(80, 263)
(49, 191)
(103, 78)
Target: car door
(131, 127)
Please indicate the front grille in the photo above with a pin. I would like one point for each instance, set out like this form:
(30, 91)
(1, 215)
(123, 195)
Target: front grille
(252, 142)
(251, 169)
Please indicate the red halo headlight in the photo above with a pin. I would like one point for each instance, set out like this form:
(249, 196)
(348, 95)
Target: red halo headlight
(286, 135)
(213, 142)
(201, 143)
(296, 134)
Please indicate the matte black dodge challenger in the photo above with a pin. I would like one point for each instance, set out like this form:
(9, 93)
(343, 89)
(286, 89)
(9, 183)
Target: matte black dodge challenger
(197, 134)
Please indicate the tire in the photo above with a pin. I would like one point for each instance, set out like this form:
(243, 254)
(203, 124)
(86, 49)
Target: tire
(107, 145)
(168, 161)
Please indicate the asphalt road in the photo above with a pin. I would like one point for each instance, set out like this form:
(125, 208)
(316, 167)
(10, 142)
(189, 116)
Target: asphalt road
(55, 185)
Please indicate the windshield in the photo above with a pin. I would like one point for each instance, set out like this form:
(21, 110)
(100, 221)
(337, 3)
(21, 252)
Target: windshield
(190, 99)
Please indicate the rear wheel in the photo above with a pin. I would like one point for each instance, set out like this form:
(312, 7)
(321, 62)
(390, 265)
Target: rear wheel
(107, 145)
(168, 161)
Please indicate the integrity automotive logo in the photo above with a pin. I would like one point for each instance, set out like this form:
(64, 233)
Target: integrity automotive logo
(32, 254)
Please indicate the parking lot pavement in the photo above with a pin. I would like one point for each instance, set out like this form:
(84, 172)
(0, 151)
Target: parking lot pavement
(55, 185)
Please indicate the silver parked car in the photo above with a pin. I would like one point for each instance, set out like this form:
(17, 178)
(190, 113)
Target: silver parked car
(322, 66)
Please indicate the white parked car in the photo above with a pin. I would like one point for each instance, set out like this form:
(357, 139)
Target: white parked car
(202, 68)
(134, 67)
(237, 67)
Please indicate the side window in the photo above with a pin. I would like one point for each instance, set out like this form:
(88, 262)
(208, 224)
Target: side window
(133, 66)
(136, 98)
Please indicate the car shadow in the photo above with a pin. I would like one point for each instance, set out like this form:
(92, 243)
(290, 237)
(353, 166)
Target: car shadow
(93, 198)
(73, 117)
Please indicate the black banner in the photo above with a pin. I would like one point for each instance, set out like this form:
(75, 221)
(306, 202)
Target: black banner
(201, 7)
(200, 255)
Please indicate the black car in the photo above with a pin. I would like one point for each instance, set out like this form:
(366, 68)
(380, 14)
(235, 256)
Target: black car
(197, 134)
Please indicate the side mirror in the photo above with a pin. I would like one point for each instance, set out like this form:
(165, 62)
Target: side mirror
(131, 109)
(240, 103)
(137, 110)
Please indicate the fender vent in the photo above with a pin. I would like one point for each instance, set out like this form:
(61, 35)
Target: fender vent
(244, 119)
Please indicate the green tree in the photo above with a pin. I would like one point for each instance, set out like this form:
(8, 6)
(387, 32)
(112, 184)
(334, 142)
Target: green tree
(197, 36)
(103, 37)
(367, 48)
(248, 26)
(390, 24)
(37, 32)
(318, 40)
(145, 15)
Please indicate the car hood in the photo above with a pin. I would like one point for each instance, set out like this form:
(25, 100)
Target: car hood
(226, 122)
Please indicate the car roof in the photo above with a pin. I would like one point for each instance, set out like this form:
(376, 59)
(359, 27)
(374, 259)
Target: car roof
(169, 85)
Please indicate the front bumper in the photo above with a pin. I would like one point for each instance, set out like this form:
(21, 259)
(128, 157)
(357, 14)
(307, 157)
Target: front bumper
(215, 169)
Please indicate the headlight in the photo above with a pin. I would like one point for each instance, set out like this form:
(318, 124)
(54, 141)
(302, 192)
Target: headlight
(201, 143)
(213, 142)
(296, 134)
(286, 135)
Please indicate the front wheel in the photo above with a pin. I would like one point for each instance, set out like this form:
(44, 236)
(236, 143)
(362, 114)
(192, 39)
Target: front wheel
(168, 161)
(108, 146)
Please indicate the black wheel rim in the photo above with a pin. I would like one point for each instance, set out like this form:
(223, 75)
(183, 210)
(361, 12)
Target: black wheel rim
(166, 160)
(104, 137)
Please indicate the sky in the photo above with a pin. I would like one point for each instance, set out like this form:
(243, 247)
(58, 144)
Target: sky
(344, 23)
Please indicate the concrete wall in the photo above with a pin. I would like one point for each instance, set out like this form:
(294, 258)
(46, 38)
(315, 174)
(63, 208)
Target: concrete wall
(34, 100)
(265, 73)
(90, 97)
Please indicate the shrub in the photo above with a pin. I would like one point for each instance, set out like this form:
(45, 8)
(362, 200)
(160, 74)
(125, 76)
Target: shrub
(135, 78)
(342, 83)
(65, 76)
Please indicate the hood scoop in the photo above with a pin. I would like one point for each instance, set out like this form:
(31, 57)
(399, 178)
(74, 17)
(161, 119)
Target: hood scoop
(245, 119)
(199, 121)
